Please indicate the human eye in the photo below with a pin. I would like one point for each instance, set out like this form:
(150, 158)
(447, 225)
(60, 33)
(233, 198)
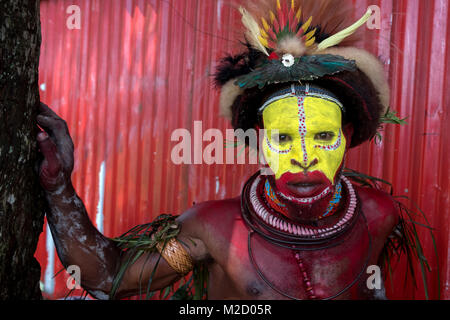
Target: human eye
(281, 138)
(325, 136)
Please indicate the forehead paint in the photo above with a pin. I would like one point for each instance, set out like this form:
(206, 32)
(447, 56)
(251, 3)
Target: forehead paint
(302, 118)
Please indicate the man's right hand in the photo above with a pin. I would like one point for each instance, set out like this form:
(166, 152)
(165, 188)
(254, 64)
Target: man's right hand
(57, 148)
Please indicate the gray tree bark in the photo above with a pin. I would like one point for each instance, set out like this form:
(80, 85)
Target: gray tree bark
(21, 198)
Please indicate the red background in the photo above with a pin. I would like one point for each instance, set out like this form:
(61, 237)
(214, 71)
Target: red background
(139, 69)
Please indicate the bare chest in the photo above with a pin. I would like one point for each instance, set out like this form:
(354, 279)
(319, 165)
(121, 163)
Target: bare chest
(247, 266)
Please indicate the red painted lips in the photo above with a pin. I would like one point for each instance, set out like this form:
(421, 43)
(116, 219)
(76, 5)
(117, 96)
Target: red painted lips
(302, 185)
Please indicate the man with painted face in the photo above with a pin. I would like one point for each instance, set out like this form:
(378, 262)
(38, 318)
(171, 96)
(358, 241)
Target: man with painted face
(305, 142)
(302, 232)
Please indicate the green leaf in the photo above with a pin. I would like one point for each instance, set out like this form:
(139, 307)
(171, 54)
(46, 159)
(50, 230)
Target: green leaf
(143, 239)
(391, 117)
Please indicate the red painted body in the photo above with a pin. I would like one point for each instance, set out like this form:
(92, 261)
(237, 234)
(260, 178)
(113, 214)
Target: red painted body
(137, 70)
(225, 234)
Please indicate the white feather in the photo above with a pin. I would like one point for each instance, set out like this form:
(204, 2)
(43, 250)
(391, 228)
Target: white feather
(340, 36)
(253, 33)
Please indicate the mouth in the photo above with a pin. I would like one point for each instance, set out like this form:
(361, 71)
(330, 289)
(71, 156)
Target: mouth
(304, 189)
(302, 186)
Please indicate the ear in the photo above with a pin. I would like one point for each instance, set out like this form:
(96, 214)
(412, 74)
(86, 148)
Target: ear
(348, 133)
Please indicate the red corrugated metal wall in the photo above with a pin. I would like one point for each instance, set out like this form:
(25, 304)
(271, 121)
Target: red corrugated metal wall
(137, 70)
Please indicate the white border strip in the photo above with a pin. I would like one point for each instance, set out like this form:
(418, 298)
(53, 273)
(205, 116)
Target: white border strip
(101, 198)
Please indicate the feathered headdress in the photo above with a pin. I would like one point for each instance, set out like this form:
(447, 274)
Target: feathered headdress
(308, 40)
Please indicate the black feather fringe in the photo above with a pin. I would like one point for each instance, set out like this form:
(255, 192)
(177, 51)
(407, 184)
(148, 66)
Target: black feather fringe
(233, 66)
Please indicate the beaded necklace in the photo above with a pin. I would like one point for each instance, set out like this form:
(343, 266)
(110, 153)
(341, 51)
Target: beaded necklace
(275, 203)
(272, 199)
(277, 221)
(334, 202)
(298, 238)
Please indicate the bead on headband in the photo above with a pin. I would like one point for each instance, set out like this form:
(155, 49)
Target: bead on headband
(302, 91)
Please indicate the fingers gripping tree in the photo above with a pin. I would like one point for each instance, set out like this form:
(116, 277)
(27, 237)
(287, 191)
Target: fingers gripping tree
(21, 201)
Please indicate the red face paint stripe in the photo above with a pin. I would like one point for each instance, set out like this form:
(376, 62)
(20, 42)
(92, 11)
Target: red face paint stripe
(302, 127)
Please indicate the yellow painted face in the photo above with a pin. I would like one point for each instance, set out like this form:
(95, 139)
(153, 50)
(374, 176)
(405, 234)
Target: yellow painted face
(303, 132)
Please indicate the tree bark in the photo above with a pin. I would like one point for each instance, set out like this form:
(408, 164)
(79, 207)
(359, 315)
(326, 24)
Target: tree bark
(21, 198)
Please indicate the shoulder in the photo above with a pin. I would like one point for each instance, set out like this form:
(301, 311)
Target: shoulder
(379, 208)
(211, 212)
(208, 222)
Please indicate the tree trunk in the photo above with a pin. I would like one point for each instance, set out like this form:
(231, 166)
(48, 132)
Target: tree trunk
(21, 198)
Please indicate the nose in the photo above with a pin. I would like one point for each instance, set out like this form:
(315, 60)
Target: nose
(305, 168)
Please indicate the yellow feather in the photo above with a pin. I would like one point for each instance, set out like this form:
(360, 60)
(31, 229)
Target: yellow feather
(310, 34)
(263, 41)
(278, 5)
(263, 33)
(299, 13)
(338, 37)
(293, 4)
(306, 25)
(265, 24)
(253, 32)
(272, 17)
(310, 42)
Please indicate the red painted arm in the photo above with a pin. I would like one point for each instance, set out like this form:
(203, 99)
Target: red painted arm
(77, 240)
